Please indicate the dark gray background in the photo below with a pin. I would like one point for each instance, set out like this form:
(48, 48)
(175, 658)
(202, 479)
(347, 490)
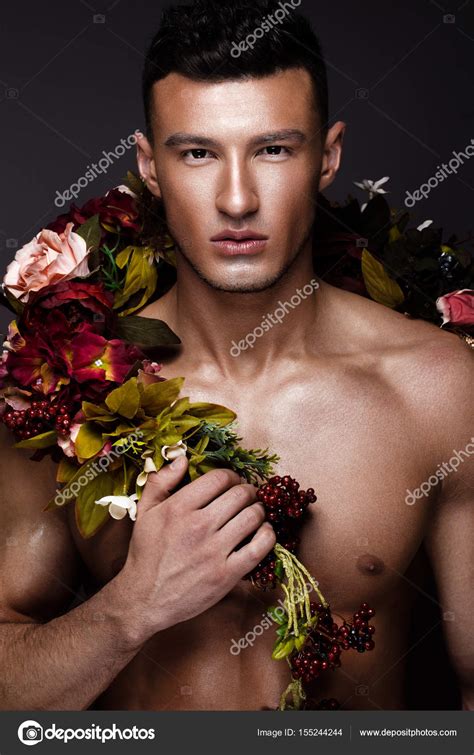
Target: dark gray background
(400, 76)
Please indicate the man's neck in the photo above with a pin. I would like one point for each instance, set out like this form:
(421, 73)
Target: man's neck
(245, 334)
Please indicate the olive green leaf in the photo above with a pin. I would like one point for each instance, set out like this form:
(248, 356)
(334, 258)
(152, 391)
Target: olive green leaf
(91, 232)
(158, 396)
(89, 441)
(66, 470)
(11, 302)
(218, 415)
(379, 285)
(43, 440)
(90, 516)
(124, 400)
(144, 331)
(141, 275)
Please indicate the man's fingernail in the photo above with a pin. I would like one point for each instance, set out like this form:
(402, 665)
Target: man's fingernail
(178, 462)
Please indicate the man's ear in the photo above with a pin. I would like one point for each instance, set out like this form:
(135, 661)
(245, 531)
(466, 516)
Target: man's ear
(146, 164)
(332, 154)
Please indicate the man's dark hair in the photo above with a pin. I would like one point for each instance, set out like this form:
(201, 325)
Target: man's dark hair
(197, 41)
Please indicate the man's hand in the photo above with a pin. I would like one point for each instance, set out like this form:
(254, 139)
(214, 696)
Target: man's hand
(182, 558)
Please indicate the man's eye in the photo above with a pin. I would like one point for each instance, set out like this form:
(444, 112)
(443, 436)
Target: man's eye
(276, 150)
(196, 154)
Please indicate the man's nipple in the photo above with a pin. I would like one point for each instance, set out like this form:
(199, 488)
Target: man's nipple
(370, 564)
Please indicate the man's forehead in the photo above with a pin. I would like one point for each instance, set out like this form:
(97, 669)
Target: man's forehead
(251, 104)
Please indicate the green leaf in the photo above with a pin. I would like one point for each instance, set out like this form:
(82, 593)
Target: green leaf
(144, 331)
(124, 400)
(11, 302)
(133, 182)
(66, 470)
(158, 396)
(281, 631)
(300, 640)
(89, 515)
(278, 615)
(65, 491)
(282, 649)
(380, 286)
(43, 440)
(91, 232)
(218, 415)
(279, 571)
(140, 275)
(97, 413)
(88, 441)
(123, 256)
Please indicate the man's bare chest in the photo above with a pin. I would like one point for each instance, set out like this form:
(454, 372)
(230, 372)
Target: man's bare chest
(355, 450)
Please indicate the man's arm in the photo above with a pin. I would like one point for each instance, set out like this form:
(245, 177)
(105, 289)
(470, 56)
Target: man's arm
(450, 538)
(48, 660)
(182, 560)
(450, 545)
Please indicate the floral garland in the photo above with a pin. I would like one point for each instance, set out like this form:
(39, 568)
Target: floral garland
(78, 382)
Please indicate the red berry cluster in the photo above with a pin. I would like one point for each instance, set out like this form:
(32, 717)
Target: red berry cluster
(326, 640)
(41, 416)
(285, 505)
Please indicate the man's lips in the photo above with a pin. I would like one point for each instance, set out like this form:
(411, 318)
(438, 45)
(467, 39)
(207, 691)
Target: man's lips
(239, 242)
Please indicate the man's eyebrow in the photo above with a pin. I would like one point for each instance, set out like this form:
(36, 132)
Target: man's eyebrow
(287, 134)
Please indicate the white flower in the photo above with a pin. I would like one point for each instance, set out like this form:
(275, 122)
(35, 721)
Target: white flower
(124, 190)
(120, 504)
(373, 187)
(424, 225)
(149, 466)
(172, 452)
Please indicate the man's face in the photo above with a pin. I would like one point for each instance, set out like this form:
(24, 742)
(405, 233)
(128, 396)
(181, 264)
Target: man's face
(240, 155)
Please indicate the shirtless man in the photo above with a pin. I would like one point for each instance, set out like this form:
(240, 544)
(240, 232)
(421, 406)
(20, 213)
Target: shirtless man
(359, 402)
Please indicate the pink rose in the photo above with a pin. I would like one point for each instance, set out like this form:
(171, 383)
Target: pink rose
(457, 307)
(46, 260)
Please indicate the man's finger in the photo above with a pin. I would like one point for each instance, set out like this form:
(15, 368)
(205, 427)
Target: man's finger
(160, 484)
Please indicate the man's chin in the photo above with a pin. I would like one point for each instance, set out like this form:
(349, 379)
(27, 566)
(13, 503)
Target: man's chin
(241, 287)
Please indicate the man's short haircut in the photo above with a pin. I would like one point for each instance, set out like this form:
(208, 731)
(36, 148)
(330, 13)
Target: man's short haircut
(202, 41)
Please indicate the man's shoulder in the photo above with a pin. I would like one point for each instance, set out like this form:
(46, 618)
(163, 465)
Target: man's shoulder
(430, 369)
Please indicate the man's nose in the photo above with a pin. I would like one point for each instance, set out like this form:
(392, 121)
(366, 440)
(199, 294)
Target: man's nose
(237, 194)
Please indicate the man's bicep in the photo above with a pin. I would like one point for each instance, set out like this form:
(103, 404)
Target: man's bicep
(450, 545)
(39, 563)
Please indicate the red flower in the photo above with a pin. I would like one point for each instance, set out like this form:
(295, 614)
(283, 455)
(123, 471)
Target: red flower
(57, 355)
(457, 307)
(117, 210)
(78, 300)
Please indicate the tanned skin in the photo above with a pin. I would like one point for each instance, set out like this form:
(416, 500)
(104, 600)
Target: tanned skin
(360, 403)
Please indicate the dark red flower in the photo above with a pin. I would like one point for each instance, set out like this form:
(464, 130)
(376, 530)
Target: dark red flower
(117, 211)
(78, 300)
(58, 355)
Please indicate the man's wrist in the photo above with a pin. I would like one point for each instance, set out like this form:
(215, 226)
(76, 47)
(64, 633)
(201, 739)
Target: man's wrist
(125, 613)
(131, 613)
